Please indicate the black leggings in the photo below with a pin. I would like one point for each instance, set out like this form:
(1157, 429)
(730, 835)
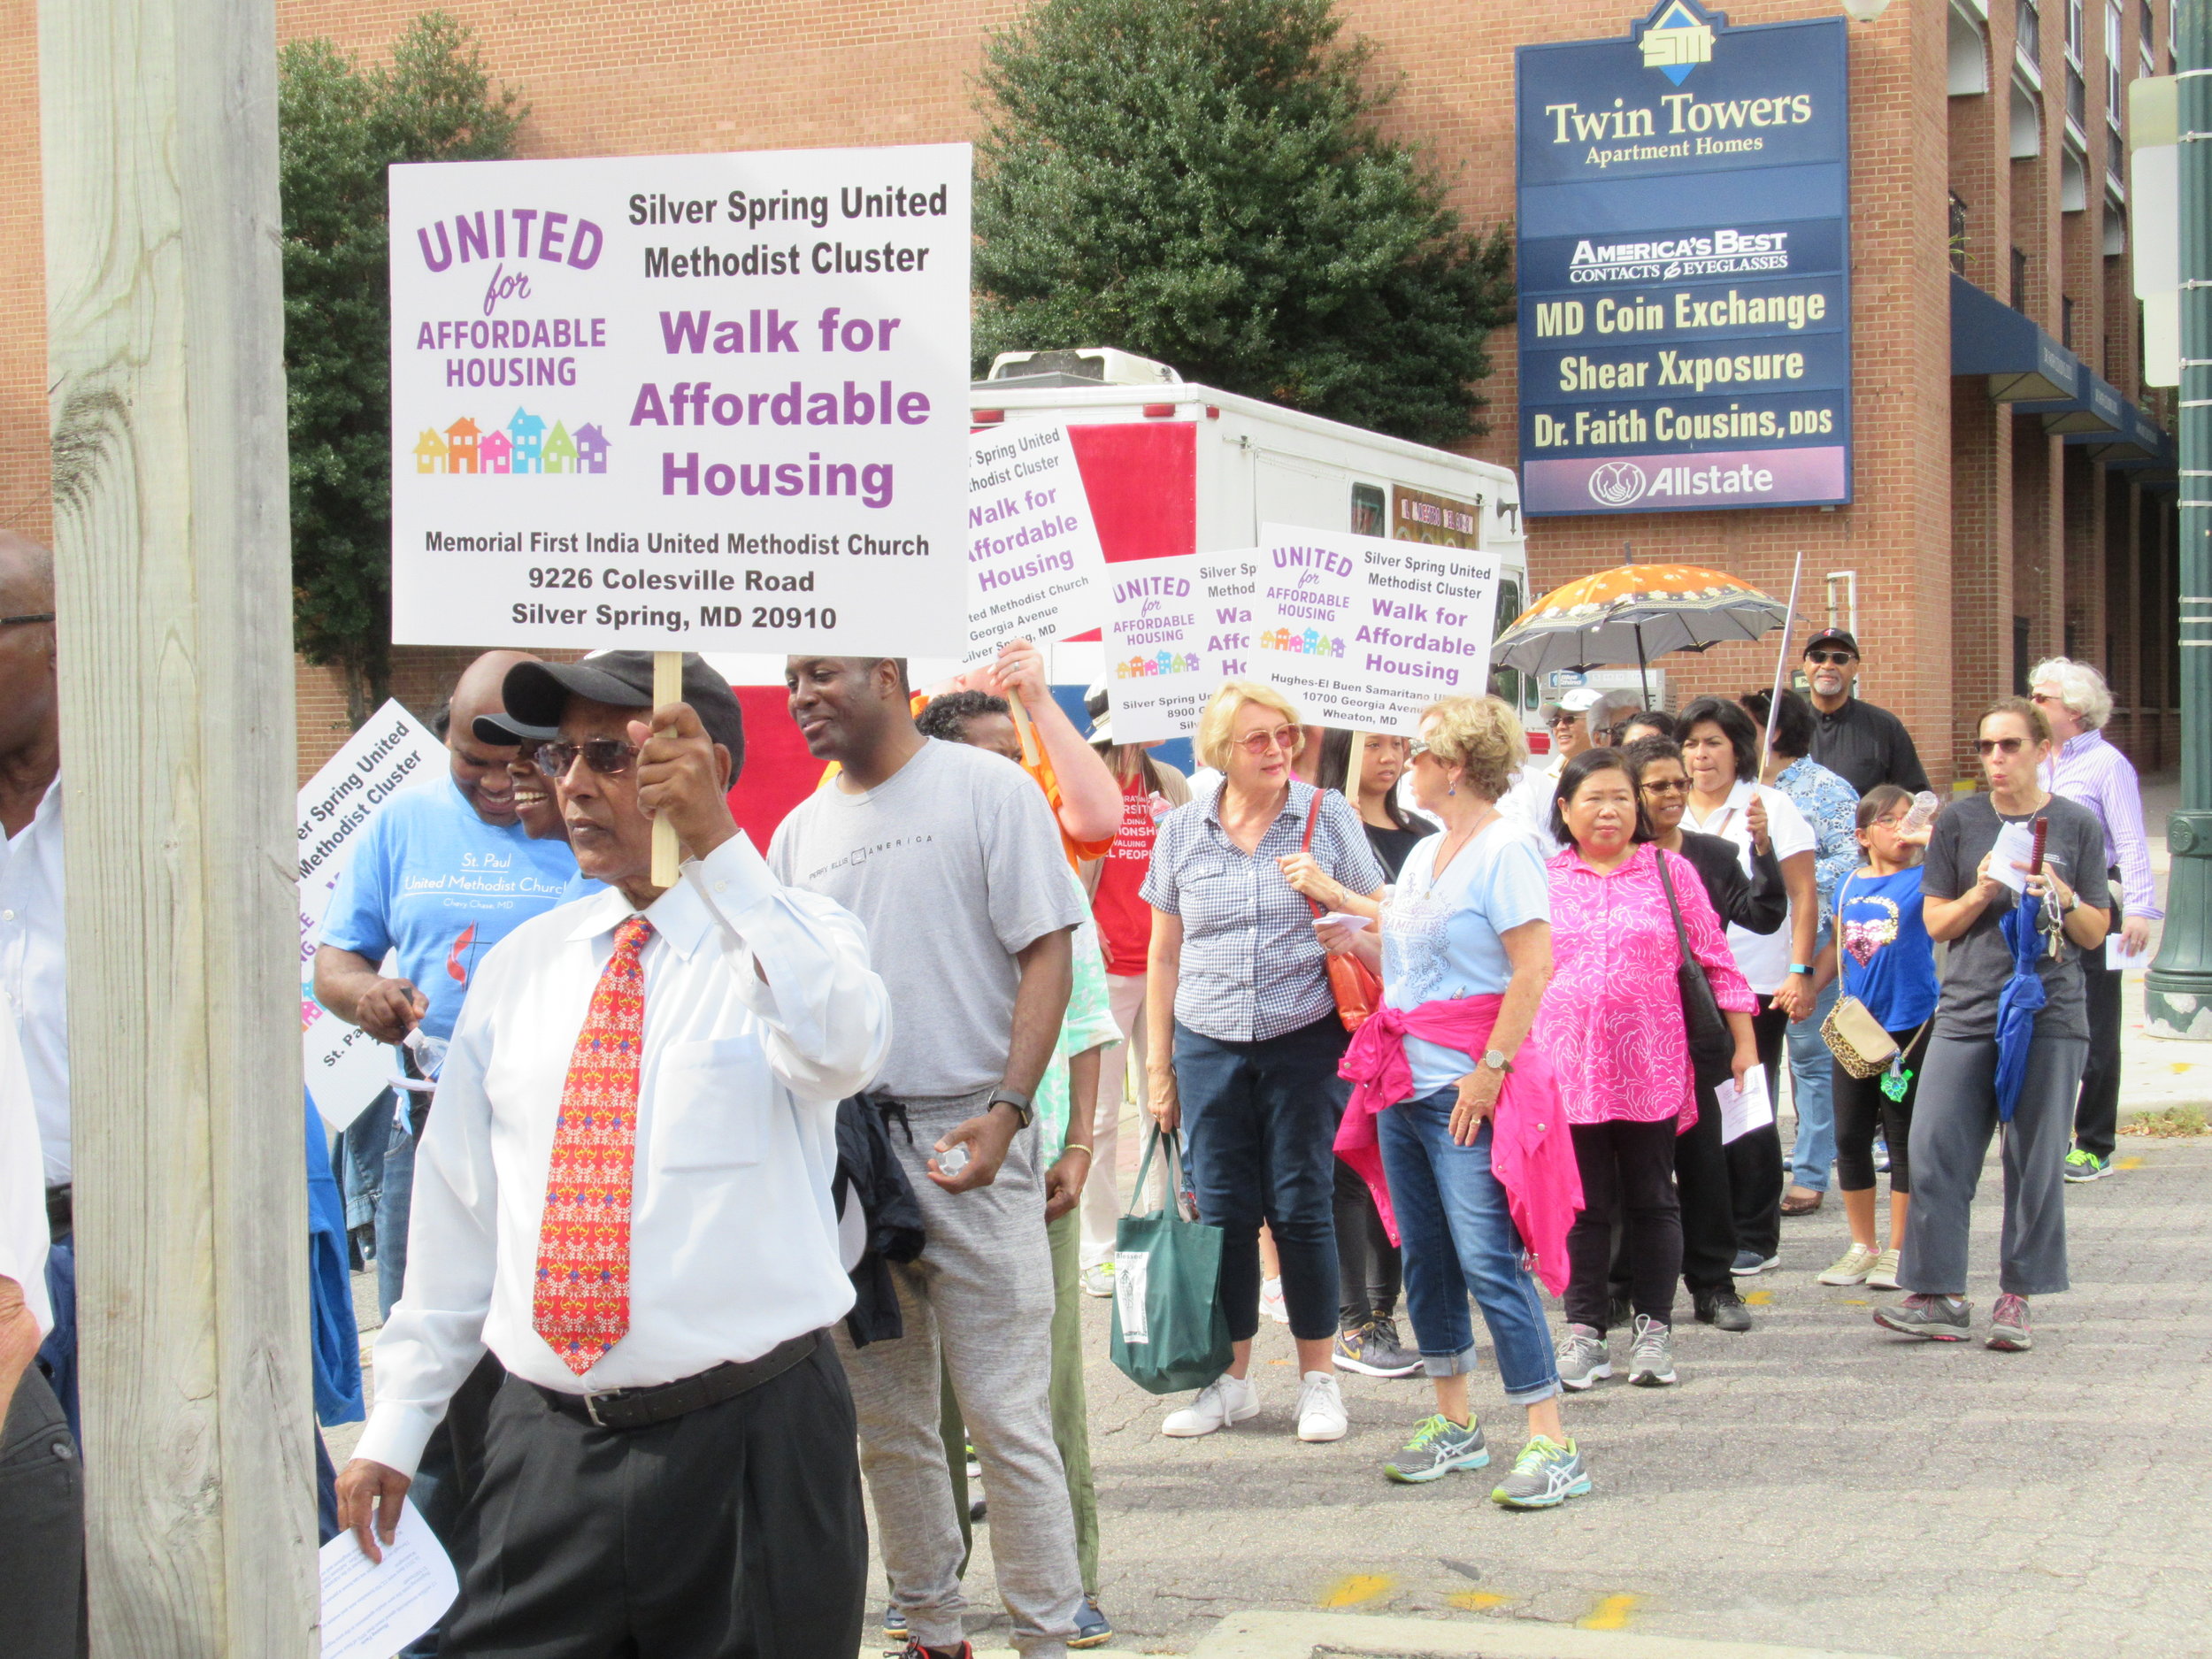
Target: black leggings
(1861, 1105)
(1627, 1171)
(1755, 1160)
(1368, 1274)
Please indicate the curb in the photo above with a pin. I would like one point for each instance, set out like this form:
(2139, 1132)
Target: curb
(1277, 1635)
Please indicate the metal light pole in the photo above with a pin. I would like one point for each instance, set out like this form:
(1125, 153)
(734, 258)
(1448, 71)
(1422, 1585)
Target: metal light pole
(2178, 991)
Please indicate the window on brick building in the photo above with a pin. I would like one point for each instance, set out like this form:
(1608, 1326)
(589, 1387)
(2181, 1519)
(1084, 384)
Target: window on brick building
(2019, 281)
(2114, 101)
(2019, 657)
(2028, 27)
(2074, 32)
(2066, 321)
(1958, 233)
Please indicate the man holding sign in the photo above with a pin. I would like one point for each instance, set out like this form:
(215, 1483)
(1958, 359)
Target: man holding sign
(624, 1195)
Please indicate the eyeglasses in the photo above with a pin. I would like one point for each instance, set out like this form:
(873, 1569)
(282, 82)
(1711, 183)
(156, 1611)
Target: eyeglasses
(37, 616)
(2038, 698)
(1834, 659)
(1668, 786)
(1416, 750)
(1283, 737)
(609, 756)
(1894, 821)
(1988, 746)
(1562, 719)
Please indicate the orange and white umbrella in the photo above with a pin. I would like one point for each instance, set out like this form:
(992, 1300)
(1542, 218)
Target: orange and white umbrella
(1633, 612)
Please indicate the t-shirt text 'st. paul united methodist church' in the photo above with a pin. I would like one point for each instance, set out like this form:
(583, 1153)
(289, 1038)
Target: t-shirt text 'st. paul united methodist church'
(1685, 293)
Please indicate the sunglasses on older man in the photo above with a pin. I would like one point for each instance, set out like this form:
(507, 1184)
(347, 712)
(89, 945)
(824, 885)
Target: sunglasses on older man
(609, 756)
(1833, 659)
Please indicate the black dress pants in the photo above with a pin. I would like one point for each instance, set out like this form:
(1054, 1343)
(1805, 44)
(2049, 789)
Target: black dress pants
(1755, 1169)
(735, 1532)
(2097, 1113)
(41, 1526)
(1708, 1216)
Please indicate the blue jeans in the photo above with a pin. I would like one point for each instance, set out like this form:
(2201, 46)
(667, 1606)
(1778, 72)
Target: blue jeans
(1811, 1079)
(394, 1203)
(1459, 1239)
(1259, 1130)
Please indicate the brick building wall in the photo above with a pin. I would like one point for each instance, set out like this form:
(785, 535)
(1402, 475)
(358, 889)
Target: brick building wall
(1964, 514)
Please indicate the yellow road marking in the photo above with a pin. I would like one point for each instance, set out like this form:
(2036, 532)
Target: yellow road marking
(2127, 1164)
(1356, 1588)
(1611, 1613)
(1758, 1299)
(1476, 1600)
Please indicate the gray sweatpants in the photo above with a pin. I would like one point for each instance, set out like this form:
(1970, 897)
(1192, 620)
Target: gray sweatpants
(1954, 1116)
(980, 1295)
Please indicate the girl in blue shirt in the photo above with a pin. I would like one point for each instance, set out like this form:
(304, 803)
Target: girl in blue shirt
(1888, 963)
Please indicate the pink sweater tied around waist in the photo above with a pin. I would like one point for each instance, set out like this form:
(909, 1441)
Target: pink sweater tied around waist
(1531, 1153)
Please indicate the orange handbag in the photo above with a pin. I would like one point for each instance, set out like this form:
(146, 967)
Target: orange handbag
(1358, 992)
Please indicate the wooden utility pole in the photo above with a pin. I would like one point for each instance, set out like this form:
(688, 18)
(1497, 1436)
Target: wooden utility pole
(165, 342)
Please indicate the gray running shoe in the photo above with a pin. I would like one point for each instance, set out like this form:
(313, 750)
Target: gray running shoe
(1371, 1350)
(1750, 1263)
(1931, 1318)
(1438, 1447)
(2008, 1332)
(1651, 1361)
(1582, 1358)
(1545, 1476)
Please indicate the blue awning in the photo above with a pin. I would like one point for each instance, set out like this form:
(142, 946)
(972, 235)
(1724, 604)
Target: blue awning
(2021, 361)
(2097, 410)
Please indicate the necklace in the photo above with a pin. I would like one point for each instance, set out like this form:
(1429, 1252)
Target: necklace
(1449, 851)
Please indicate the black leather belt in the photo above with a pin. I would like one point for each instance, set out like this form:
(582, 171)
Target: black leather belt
(640, 1407)
(61, 1218)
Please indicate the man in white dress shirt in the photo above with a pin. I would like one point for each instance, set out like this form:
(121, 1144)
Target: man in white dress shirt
(622, 1192)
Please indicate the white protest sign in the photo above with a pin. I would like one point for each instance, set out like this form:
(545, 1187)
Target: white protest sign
(1035, 571)
(1363, 633)
(711, 403)
(1154, 682)
(391, 754)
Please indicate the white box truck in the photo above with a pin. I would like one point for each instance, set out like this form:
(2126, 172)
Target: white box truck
(1172, 467)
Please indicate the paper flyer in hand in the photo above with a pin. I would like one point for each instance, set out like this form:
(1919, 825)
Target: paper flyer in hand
(1744, 1109)
(371, 1609)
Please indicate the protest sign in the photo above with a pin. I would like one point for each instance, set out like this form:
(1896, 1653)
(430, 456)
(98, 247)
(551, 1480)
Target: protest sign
(710, 402)
(1171, 622)
(391, 754)
(1363, 633)
(1034, 568)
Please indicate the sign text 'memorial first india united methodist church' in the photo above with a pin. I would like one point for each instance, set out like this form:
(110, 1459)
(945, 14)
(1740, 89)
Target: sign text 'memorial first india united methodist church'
(1685, 267)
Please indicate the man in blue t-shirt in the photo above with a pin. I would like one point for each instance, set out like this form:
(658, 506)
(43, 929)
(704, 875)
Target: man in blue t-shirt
(441, 875)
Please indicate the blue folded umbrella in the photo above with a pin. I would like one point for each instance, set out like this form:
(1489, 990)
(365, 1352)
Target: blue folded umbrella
(2017, 1005)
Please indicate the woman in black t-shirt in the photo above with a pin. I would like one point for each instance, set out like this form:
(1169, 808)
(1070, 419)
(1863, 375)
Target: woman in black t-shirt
(1392, 831)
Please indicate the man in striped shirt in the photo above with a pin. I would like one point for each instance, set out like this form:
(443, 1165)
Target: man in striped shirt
(2088, 770)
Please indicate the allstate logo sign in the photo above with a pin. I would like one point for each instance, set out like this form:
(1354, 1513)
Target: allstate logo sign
(1617, 484)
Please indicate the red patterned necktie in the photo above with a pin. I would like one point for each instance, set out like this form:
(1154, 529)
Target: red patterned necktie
(581, 1305)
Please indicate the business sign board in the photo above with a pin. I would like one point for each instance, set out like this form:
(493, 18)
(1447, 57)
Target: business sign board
(713, 403)
(1685, 266)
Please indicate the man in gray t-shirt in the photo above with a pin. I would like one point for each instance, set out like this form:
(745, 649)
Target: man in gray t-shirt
(1965, 900)
(950, 857)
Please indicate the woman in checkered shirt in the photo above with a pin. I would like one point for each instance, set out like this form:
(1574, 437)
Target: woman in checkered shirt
(1245, 1037)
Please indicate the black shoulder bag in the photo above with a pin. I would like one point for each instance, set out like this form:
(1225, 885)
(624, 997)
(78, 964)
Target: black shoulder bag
(1712, 1045)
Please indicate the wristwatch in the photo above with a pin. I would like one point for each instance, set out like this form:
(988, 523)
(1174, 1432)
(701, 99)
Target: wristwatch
(1015, 1098)
(1494, 1058)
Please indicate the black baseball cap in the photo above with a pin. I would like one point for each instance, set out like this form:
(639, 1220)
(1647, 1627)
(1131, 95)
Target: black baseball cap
(503, 731)
(1831, 636)
(536, 693)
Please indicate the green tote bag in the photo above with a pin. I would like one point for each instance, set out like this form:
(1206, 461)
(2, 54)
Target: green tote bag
(1170, 1331)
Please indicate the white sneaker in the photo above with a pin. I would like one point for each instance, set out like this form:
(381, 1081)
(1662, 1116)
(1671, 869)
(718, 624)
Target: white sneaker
(1272, 1301)
(1882, 1274)
(1097, 1280)
(1223, 1401)
(1321, 1408)
(1852, 1266)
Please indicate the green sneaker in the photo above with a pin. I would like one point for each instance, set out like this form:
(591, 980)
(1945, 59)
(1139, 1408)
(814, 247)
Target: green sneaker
(1545, 1476)
(2086, 1166)
(1438, 1447)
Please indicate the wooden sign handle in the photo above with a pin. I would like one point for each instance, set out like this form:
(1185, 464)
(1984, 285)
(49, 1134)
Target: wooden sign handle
(668, 687)
(1353, 761)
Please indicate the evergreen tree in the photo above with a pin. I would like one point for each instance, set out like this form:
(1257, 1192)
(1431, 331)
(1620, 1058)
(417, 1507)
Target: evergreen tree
(340, 124)
(1203, 182)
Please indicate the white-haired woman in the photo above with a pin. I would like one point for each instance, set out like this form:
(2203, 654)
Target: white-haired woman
(1244, 1040)
(2086, 769)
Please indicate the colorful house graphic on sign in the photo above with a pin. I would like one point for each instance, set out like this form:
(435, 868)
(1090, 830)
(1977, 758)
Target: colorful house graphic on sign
(460, 439)
(528, 432)
(560, 454)
(430, 451)
(591, 450)
(493, 449)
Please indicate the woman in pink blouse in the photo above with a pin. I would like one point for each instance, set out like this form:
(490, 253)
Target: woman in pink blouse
(1612, 1026)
